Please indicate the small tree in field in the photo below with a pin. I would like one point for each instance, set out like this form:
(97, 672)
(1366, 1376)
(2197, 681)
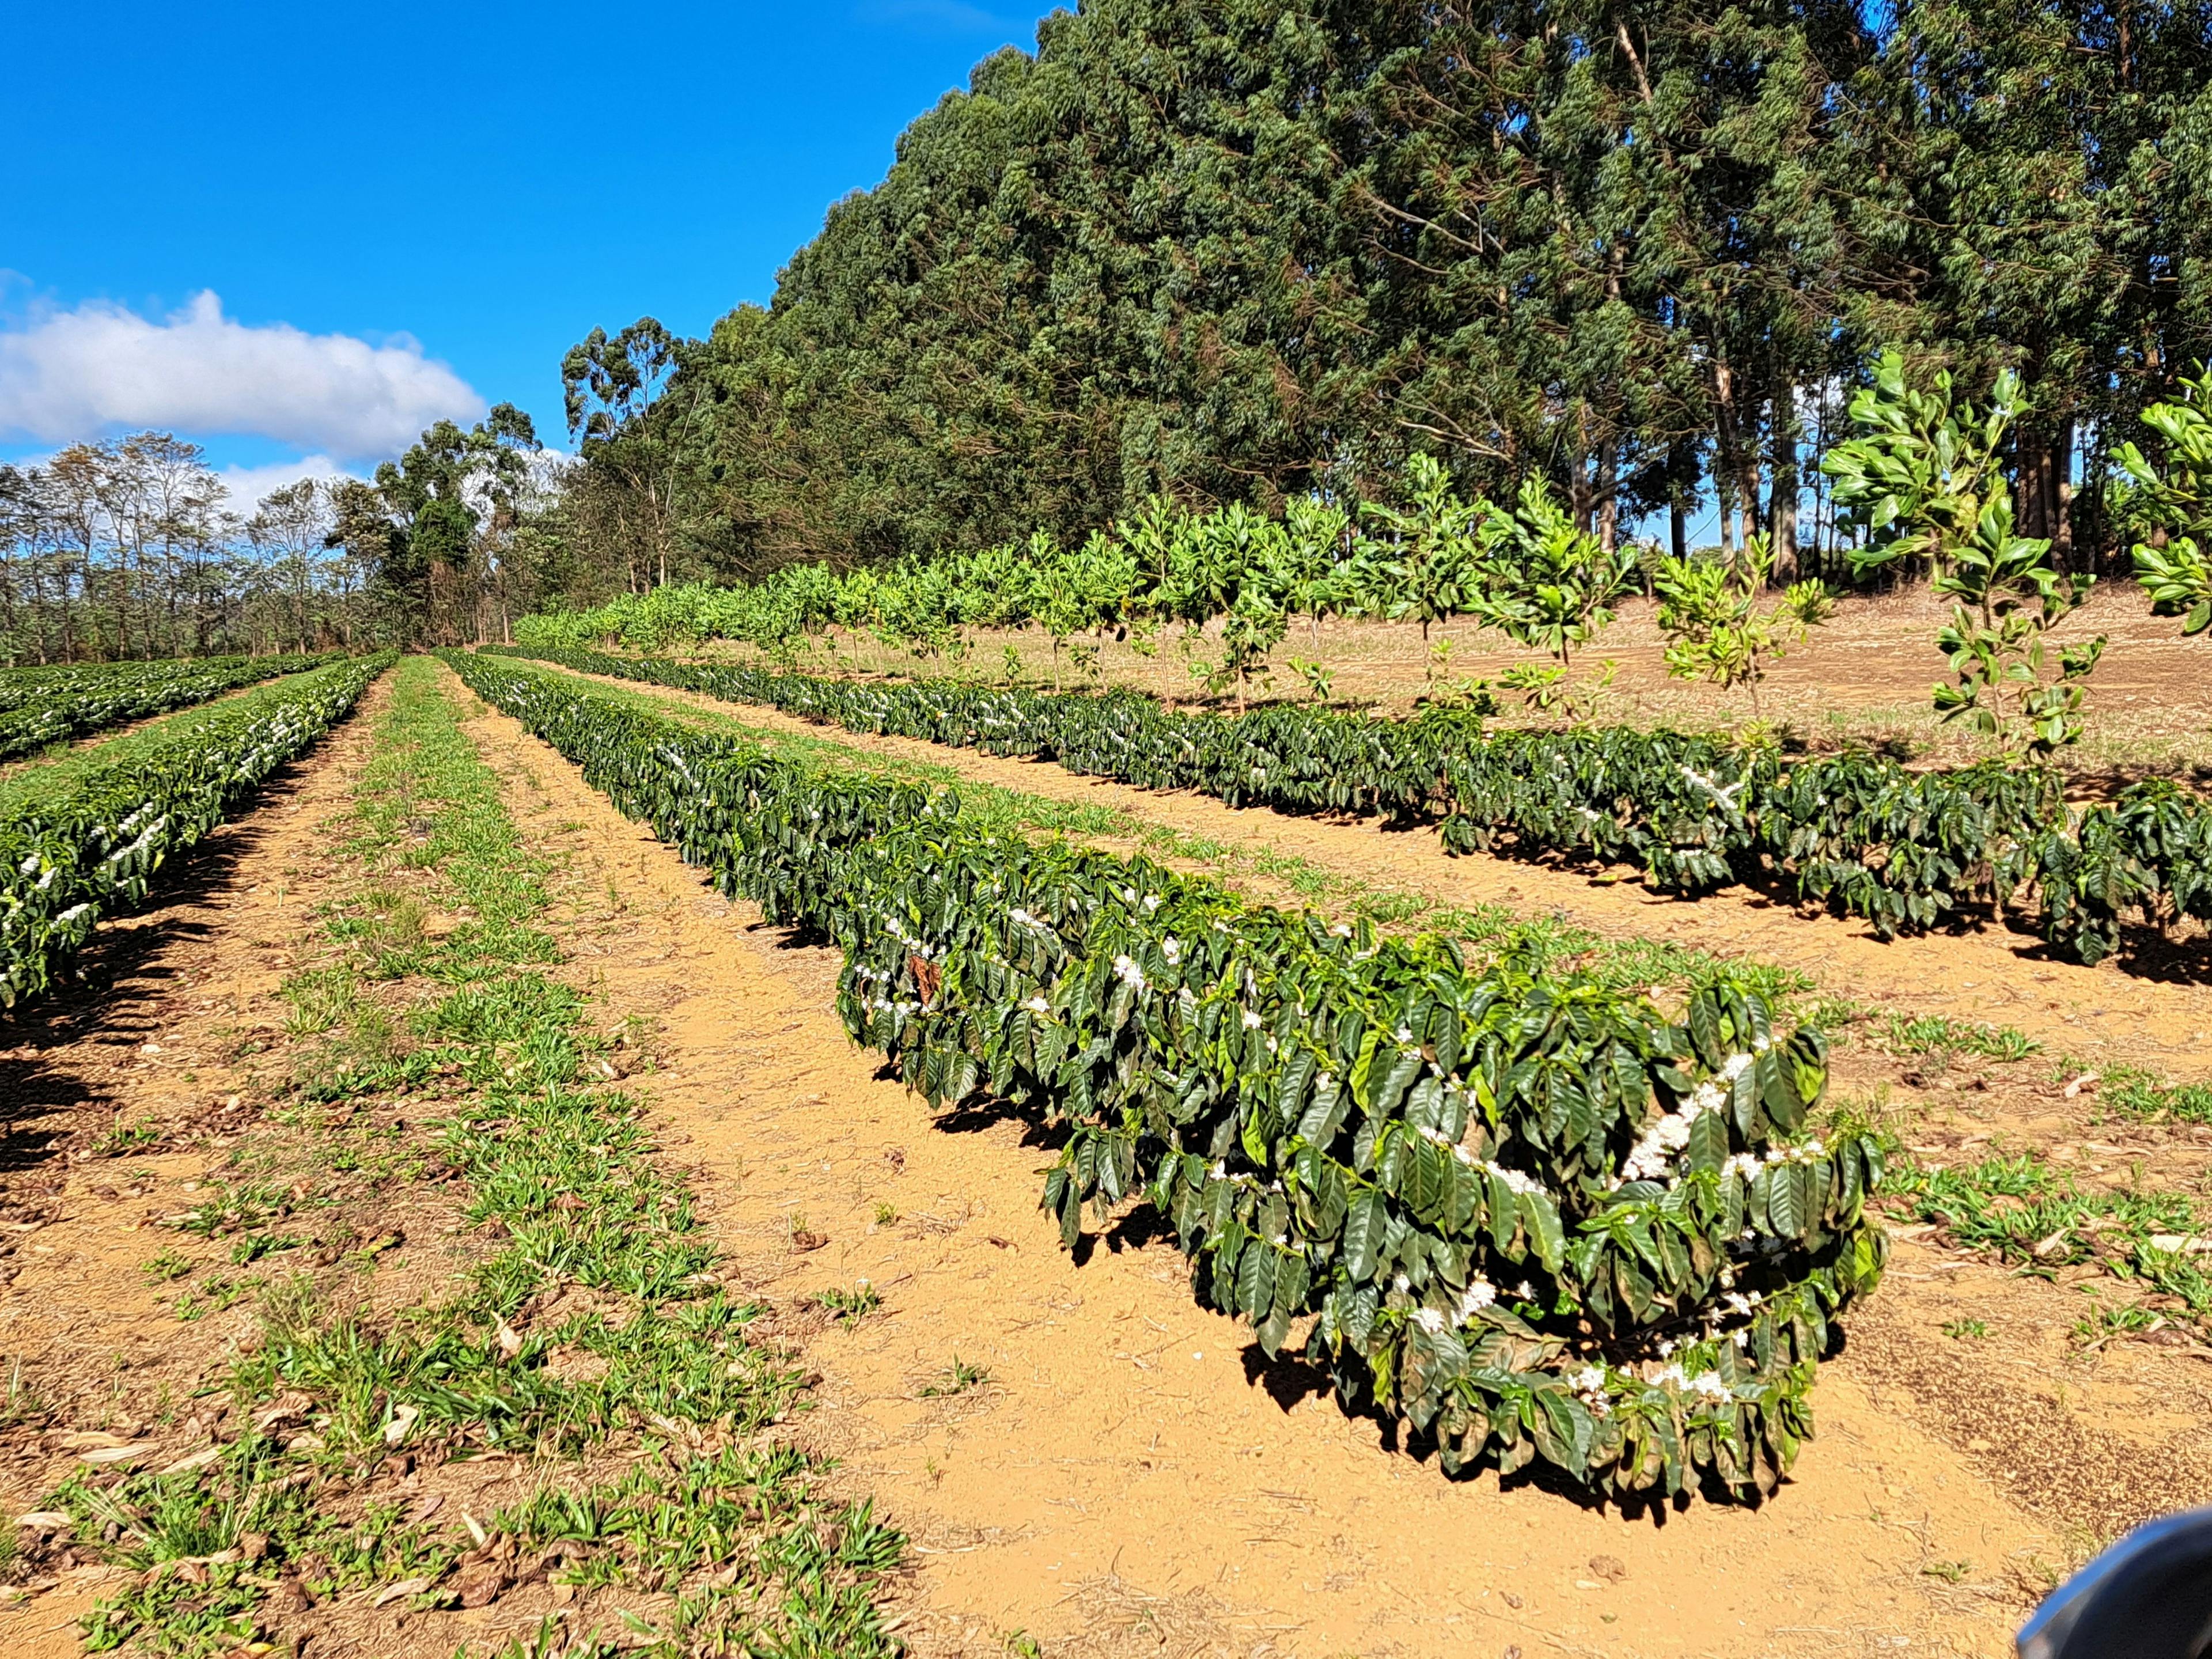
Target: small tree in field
(1432, 545)
(2175, 566)
(1923, 480)
(1716, 631)
(1315, 533)
(1547, 584)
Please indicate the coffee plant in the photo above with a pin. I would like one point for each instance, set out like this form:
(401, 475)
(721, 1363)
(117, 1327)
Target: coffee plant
(1718, 627)
(55, 705)
(92, 849)
(1162, 564)
(1533, 1218)
(1294, 758)
(1853, 833)
(2173, 504)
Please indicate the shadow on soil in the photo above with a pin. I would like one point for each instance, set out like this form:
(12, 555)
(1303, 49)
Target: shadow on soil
(57, 1053)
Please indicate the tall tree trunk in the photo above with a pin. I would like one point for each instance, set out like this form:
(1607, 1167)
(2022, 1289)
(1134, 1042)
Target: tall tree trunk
(2045, 486)
(1727, 465)
(1608, 498)
(1782, 507)
(2062, 439)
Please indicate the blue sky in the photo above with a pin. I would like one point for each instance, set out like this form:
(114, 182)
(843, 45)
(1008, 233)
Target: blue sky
(489, 180)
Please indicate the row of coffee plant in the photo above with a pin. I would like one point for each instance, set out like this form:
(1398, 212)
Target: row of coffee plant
(91, 850)
(1855, 833)
(1528, 1216)
(42, 706)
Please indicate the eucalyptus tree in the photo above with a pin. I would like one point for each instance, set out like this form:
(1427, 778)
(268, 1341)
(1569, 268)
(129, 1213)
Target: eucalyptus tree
(450, 486)
(1248, 252)
(615, 392)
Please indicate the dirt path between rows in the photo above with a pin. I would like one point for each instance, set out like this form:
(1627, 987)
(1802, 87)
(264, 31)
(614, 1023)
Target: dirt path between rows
(161, 1032)
(2097, 1015)
(1133, 1478)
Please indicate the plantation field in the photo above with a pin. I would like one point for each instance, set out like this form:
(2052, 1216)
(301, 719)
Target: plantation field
(54, 766)
(43, 706)
(442, 1221)
(1865, 675)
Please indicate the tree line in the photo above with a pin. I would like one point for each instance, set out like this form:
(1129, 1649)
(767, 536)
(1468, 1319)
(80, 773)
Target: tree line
(131, 548)
(1249, 251)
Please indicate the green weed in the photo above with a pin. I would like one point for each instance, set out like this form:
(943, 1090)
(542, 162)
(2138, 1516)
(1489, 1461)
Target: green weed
(851, 1306)
(2137, 1093)
(958, 1378)
(1943, 1038)
(658, 1354)
(123, 1139)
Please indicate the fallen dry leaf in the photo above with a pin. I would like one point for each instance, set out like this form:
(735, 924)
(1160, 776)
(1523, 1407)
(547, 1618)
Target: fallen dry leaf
(107, 1457)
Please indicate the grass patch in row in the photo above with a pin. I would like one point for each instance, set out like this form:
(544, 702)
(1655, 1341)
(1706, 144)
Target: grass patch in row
(595, 1327)
(2132, 1091)
(2040, 1218)
(1942, 1038)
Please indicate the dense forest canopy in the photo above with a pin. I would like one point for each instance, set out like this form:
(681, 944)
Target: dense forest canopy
(1192, 254)
(1244, 250)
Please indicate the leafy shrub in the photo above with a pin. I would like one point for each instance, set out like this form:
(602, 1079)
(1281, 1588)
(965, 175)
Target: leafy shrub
(1855, 833)
(1294, 758)
(1924, 478)
(93, 851)
(1530, 1217)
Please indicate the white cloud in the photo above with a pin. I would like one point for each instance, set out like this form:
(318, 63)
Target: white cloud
(75, 375)
(248, 484)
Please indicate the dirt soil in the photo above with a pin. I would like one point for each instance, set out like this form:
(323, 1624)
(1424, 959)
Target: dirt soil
(1132, 1476)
